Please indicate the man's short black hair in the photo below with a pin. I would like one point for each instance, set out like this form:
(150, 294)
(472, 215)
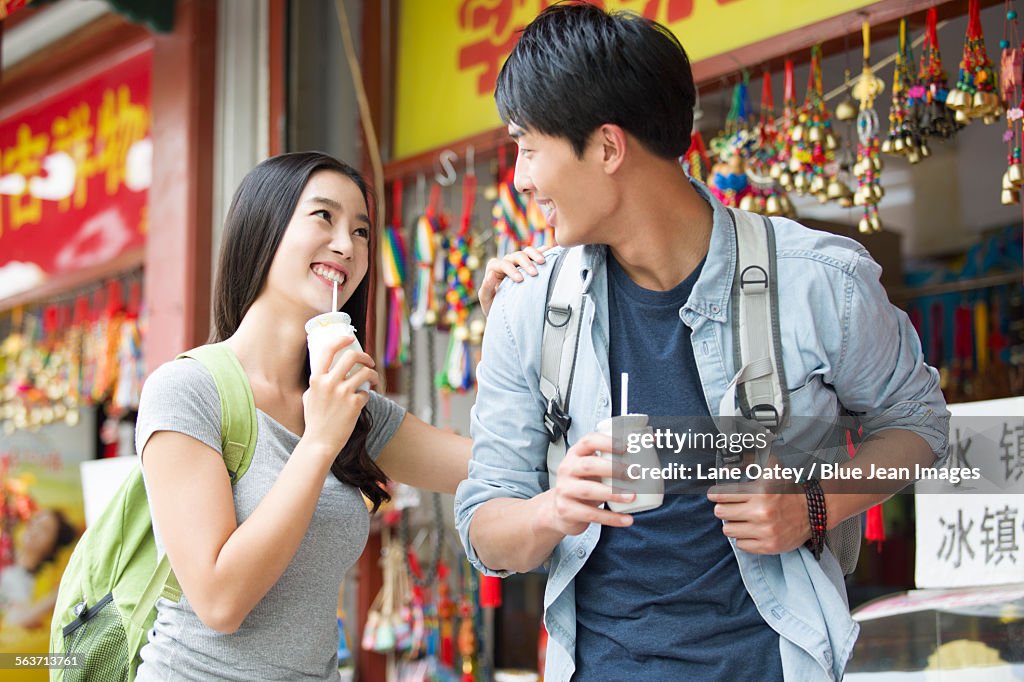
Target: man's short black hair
(577, 67)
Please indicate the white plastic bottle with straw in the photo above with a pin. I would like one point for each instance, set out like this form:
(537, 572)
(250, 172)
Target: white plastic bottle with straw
(650, 492)
(324, 329)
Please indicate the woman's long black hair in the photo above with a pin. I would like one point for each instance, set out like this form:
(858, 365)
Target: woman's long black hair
(259, 215)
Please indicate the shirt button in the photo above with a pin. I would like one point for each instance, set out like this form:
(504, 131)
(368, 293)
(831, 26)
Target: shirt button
(715, 309)
(581, 552)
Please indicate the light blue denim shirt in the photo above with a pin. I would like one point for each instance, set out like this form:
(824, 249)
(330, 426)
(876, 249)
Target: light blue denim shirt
(844, 346)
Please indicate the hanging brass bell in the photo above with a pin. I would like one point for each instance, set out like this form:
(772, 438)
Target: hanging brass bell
(788, 209)
(822, 197)
(1015, 173)
(962, 117)
(858, 168)
(858, 197)
(913, 156)
(876, 163)
(925, 150)
(772, 205)
(836, 189)
(887, 146)
(786, 179)
(747, 203)
(898, 146)
(955, 100)
(981, 104)
(1007, 182)
(845, 202)
(797, 133)
(1009, 197)
(817, 184)
(800, 182)
(988, 119)
(830, 141)
(846, 110)
(864, 226)
(775, 171)
(476, 327)
(875, 223)
(430, 317)
(473, 262)
(814, 134)
(877, 192)
(795, 165)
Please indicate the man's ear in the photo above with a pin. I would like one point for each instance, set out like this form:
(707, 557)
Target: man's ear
(612, 139)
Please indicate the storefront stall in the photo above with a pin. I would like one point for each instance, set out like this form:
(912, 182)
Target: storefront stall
(104, 213)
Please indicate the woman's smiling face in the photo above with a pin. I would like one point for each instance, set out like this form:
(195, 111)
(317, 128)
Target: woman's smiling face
(327, 241)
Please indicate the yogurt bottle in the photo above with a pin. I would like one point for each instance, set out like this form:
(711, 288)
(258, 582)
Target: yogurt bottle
(650, 492)
(323, 331)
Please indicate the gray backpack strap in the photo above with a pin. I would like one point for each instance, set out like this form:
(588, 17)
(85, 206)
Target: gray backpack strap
(563, 318)
(757, 347)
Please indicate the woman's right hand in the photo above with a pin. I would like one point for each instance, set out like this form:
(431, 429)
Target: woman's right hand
(333, 402)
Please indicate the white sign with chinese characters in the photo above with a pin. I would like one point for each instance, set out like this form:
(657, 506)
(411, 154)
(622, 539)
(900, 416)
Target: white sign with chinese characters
(971, 533)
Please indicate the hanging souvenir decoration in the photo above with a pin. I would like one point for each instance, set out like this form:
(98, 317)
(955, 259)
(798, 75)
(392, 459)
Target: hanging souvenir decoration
(429, 229)
(780, 169)
(460, 296)
(766, 196)
(130, 368)
(729, 181)
(508, 215)
(869, 164)
(108, 333)
(393, 259)
(1010, 81)
(695, 161)
(934, 118)
(846, 125)
(847, 109)
(904, 139)
(812, 161)
(467, 632)
(975, 93)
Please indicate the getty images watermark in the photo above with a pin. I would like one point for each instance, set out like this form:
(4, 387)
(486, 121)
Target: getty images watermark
(696, 453)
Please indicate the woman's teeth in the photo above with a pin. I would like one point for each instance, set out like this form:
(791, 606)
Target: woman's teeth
(329, 274)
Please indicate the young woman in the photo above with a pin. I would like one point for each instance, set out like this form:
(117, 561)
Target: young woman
(260, 564)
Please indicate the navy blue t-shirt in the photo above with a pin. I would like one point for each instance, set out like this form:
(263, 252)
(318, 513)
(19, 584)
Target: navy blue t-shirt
(663, 599)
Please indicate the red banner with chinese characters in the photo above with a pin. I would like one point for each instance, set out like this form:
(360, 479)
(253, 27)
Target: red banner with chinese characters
(75, 171)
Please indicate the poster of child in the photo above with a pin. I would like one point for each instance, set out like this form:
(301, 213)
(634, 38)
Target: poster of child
(41, 519)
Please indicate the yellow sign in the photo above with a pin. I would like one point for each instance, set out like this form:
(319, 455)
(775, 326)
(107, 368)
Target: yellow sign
(450, 51)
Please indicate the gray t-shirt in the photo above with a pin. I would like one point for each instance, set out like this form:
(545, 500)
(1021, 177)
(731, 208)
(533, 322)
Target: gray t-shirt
(292, 633)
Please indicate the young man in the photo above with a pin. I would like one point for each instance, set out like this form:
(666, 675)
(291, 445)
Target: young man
(705, 587)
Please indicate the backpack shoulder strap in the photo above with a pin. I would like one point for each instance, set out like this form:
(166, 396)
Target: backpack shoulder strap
(237, 407)
(559, 345)
(757, 345)
(238, 442)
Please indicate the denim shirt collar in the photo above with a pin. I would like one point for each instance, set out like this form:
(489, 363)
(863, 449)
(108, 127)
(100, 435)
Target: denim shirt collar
(711, 292)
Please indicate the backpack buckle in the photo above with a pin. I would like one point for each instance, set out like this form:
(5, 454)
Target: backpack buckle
(766, 415)
(556, 421)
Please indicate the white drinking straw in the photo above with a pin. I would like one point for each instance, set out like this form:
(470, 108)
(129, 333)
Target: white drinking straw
(624, 395)
(334, 299)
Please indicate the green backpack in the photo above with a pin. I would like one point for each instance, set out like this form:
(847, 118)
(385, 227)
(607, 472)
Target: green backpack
(106, 603)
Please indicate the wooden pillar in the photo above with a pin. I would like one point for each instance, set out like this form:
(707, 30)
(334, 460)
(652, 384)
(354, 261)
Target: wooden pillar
(180, 198)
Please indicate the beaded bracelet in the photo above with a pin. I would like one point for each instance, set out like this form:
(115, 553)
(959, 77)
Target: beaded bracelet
(817, 516)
